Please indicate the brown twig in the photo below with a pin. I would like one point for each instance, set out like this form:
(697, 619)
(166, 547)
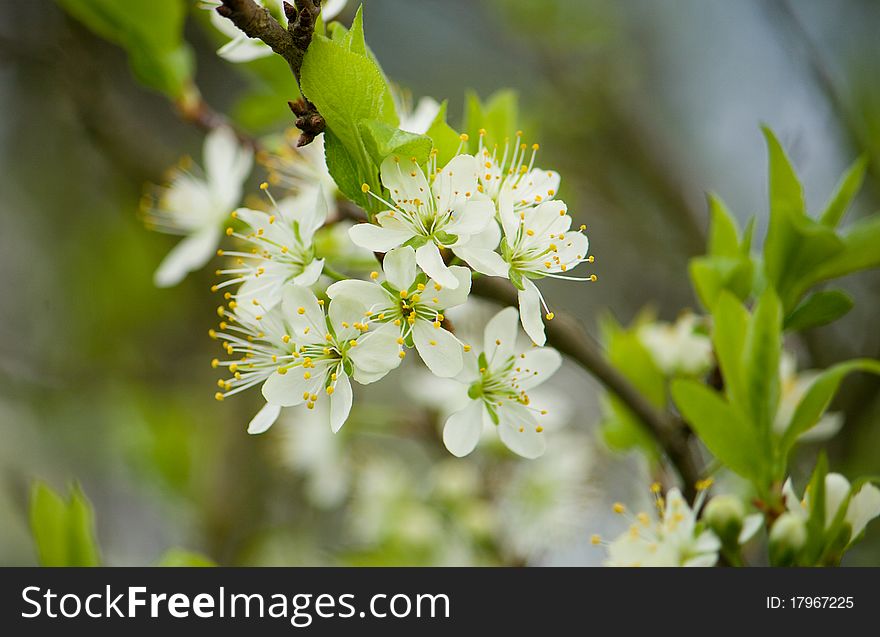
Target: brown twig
(290, 43)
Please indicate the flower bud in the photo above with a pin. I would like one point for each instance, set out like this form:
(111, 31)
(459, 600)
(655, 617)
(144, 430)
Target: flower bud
(787, 538)
(724, 514)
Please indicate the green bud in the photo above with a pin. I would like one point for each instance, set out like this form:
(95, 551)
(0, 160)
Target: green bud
(725, 514)
(787, 537)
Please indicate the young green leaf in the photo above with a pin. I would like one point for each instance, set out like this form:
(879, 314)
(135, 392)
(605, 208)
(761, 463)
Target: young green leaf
(721, 427)
(347, 172)
(446, 140)
(860, 252)
(346, 87)
(382, 140)
(730, 326)
(817, 398)
(846, 190)
(818, 309)
(723, 233)
(786, 192)
(64, 532)
(763, 348)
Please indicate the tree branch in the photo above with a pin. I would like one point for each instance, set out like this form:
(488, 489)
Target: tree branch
(569, 337)
(290, 43)
(564, 332)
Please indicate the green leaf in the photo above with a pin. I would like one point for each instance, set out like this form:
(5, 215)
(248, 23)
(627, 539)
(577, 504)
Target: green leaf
(730, 326)
(446, 140)
(64, 532)
(818, 309)
(723, 233)
(713, 275)
(762, 351)
(846, 190)
(816, 518)
(382, 140)
(354, 39)
(347, 172)
(721, 427)
(818, 397)
(860, 252)
(183, 558)
(347, 87)
(151, 32)
(498, 116)
(796, 245)
(622, 431)
(786, 192)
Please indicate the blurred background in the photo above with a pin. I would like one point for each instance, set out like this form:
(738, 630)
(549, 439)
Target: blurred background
(642, 106)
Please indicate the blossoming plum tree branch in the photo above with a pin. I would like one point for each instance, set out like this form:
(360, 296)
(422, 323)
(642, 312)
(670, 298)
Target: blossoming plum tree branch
(563, 333)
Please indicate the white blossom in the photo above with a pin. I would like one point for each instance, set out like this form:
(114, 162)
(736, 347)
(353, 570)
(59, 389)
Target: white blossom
(282, 252)
(331, 348)
(672, 537)
(197, 206)
(414, 304)
(678, 348)
(862, 507)
(419, 119)
(497, 382)
(537, 238)
(444, 214)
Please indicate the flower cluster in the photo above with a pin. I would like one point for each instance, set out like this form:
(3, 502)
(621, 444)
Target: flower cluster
(296, 327)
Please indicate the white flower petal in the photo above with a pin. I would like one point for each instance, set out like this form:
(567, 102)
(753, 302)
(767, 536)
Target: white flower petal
(530, 312)
(344, 312)
(837, 489)
(331, 8)
(190, 254)
(302, 309)
(286, 390)
(400, 267)
(310, 274)
(484, 261)
(537, 365)
(227, 165)
(429, 259)
(751, 525)
(440, 350)
(370, 295)
(518, 431)
(243, 49)
(377, 238)
(509, 220)
(792, 502)
(471, 218)
(446, 297)
(340, 402)
(420, 120)
(864, 506)
(462, 430)
(499, 335)
(405, 179)
(377, 351)
(457, 180)
(264, 419)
